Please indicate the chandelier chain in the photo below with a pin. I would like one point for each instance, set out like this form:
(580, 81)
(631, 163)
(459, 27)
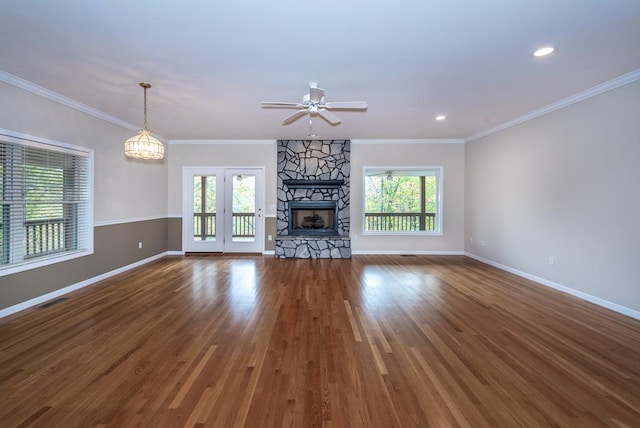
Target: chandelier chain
(144, 145)
(145, 103)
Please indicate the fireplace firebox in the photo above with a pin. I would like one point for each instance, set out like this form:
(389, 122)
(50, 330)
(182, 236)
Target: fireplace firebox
(313, 218)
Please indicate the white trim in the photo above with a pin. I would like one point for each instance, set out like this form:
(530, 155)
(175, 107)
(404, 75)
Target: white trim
(127, 220)
(28, 139)
(49, 144)
(269, 253)
(217, 142)
(61, 99)
(408, 252)
(223, 199)
(580, 96)
(49, 296)
(411, 141)
(175, 253)
(563, 288)
(439, 200)
(46, 261)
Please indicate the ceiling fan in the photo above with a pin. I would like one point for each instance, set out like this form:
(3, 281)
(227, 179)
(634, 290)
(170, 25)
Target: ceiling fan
(314, 103)
(388, 174)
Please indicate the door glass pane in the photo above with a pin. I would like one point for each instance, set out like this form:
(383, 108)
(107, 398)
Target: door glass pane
(244, 208)
(204, 208)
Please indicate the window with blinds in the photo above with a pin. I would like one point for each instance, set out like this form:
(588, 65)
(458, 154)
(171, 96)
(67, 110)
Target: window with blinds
(46, 203)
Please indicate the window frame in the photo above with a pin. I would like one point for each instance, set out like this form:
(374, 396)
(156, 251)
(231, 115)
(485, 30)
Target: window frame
(439, 224)
(35, 142)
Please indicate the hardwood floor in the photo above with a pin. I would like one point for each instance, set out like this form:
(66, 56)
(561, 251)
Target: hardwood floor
(372, 341)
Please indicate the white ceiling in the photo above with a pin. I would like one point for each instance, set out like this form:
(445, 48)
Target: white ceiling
(211, 63)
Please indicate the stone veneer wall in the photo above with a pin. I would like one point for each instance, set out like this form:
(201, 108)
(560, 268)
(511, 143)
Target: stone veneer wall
(313, 160)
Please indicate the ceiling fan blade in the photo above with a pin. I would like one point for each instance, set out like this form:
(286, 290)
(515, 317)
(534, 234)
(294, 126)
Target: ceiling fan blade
(347, 104)
(278, 104)
(316, 94)
(328, 116)
(294, 116)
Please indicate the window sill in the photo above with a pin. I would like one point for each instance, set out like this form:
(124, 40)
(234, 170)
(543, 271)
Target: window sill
(420, 233)
(34, 264)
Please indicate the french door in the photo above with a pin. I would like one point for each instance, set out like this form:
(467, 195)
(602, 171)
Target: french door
(222, 209)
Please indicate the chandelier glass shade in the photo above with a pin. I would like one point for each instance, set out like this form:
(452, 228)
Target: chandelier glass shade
(144, 145)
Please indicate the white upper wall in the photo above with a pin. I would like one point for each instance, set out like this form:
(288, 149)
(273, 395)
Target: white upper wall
(420, 153)
(563, 185)
(233, 154)
(389, 153)
(124, 189)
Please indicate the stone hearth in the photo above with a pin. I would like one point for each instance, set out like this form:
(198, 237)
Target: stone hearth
(313, 170)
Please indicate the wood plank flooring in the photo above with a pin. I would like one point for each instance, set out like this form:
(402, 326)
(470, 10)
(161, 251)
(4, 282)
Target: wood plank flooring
(375, 341)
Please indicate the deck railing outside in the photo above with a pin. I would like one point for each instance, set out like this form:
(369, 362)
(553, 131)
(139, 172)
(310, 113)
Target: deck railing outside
(41, 237)
(399, 222)
(48, 236)
(44, 236)
(204, 225)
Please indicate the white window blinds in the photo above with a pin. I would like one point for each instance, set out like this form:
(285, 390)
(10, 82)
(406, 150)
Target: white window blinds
(46, 197)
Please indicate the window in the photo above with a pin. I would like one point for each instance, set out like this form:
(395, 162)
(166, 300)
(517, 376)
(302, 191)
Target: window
(403, 200)
(45, 196)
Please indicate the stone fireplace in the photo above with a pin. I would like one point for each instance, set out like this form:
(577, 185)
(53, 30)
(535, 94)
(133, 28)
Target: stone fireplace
(313, 199)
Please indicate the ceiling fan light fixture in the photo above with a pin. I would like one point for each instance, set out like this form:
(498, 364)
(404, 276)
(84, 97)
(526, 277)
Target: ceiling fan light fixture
(144, 145)
(314, 104)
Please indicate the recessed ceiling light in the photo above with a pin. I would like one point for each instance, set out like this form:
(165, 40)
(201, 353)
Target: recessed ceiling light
(441, 117)
(544, 51)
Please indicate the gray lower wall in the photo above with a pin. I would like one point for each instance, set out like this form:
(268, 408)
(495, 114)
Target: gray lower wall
(174, 233)
(124, 190)
(270, 229)
(115, 246)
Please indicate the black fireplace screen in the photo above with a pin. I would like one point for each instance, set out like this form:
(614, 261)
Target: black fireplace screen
(313, 218)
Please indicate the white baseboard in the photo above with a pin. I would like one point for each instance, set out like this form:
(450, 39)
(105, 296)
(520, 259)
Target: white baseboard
(596, 300)
(182, 253)
(584, 296)
(49, 296)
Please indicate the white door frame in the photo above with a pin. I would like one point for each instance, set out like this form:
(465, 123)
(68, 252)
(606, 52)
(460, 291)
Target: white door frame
(223, 242)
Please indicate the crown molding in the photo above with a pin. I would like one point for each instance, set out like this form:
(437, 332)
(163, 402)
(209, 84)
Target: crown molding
(410, 141)
(581, 96)
(625, 79)
(61, 99)
(358, 141)
(218, 142)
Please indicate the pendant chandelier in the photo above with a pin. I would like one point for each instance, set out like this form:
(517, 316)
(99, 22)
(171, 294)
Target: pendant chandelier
(144, 145)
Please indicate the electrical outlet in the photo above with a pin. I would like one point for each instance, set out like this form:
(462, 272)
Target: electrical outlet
(269, 237)
(482, 243)
(552, 261)
(471, 240)
(140, 245)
